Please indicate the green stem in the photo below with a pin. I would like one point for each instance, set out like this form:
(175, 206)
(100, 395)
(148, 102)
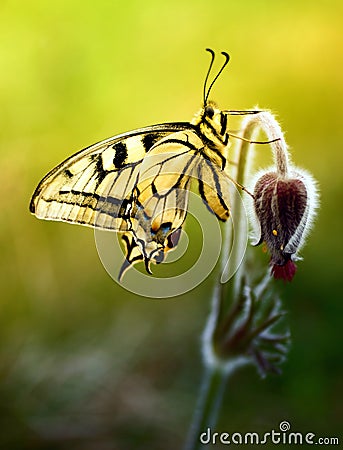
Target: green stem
(238, 206)
(211, 394)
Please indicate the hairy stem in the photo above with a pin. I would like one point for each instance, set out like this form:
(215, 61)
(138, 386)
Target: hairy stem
(266, 121)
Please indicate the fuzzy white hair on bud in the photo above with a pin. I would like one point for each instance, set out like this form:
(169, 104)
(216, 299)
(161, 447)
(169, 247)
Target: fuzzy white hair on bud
(285, 201)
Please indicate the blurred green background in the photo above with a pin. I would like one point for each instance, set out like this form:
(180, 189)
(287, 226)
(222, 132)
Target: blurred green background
(85, 364)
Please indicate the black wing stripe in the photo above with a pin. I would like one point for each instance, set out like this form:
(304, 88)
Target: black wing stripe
(150, 139)
(81, 190)
(94, 150)
(210, 189)
(120, 154)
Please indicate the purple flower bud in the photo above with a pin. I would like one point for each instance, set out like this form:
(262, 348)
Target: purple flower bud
(284, 207)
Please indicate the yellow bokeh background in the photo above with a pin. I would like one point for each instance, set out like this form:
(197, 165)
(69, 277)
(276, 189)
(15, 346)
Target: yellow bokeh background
(84, 364)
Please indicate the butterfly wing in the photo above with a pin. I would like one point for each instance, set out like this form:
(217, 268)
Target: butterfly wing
(136, 183)
(93, 187)
(214, 188)
(133, 254)
(177, 158)
(164, 178)
(161, 195)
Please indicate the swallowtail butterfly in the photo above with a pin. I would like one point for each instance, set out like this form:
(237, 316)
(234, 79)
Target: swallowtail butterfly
(137, 183)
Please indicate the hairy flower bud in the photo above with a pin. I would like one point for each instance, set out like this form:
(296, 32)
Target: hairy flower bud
(284, 207)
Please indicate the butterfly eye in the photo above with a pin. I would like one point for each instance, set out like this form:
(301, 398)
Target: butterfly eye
(173, 238)
(209, 111)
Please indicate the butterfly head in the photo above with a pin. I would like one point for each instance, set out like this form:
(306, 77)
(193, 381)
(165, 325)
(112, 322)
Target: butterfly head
(212, 117)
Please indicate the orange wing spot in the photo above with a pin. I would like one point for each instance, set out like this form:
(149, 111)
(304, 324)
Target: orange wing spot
(274, 232)
(155, 227)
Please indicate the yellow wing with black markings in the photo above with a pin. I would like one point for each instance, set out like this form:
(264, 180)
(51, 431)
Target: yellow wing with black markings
(93, 186)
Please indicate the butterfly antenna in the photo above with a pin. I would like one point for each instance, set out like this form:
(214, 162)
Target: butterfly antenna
(208, 73)
(227, 59)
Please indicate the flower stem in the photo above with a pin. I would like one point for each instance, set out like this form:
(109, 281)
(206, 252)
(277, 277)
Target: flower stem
(211, 394)
(244, 149)
(266, 121)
